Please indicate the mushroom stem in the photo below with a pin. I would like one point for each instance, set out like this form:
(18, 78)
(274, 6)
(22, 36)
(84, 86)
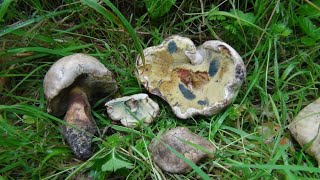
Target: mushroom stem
(194, 57)
(82, 127)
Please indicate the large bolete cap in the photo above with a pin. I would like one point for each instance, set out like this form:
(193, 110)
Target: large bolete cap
(79, 70)
(194, 81)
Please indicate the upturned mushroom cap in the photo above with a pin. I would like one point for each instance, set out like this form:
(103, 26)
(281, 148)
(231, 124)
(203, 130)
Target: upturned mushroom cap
(194, 81)
(79, 70)
(305, 128)
(175, 138)
(129, 110)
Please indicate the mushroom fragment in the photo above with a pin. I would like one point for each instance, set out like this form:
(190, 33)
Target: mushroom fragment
(129, 110)
(69, 85)
(179, 139)
(305, 128)
(194, 81)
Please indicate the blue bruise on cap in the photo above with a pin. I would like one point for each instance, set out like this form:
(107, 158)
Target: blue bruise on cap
(203, 102)
(186, 93)
(214, 67)
(172, 47)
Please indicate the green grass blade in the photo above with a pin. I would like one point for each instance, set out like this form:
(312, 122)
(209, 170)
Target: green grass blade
(60, 52)
(227, 14)
(202, 174)
(279, 167)
(215, 126)
(123, 23)
(30, 21)
(3, 8)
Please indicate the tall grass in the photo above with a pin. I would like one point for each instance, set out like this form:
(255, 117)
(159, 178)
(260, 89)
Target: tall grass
(278, 41)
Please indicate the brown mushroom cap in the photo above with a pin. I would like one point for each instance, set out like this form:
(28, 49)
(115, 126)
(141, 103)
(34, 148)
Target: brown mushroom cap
(79, 70)
(168, 161)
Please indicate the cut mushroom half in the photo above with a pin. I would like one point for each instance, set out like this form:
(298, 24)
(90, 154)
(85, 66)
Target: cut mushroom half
(194, 81)
(69, 86)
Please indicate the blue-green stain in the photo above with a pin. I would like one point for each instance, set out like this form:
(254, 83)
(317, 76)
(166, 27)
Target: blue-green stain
(214, 67)
(186, 93)
(239, 72)
(172, 47)
(203, 102)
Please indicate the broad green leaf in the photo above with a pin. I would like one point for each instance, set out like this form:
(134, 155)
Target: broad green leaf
(230, 15)
(158, 8)
(235, 112)
(280, 29)
(308, 41)
(308, 27)
(28, 119)
(113, 140)
(4, 7)
(115, 163)
(213, 16)
(246, 17)
(308, 10)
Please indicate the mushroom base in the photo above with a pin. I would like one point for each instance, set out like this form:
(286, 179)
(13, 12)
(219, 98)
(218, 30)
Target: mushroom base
(81, 126)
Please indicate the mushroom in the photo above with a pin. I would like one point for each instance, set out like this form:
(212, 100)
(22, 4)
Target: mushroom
(129, 110)
(194, 81)
(69, 85)
(179, 139)
(305, 128)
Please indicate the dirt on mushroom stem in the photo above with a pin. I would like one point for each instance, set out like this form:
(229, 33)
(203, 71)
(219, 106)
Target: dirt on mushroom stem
(81, 126)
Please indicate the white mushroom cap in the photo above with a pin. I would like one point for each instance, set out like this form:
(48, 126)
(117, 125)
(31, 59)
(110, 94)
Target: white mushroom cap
(76, 70)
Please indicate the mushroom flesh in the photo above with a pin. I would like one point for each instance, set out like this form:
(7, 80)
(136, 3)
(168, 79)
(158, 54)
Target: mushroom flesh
(193, 80)
(129, 110)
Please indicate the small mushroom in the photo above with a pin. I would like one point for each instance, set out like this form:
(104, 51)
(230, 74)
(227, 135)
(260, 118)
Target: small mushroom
(305, 128)
(129, 110)
(69, 85)
(194, 81)
(178, 138)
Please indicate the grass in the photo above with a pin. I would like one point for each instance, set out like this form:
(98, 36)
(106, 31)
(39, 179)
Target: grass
(278, 40)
